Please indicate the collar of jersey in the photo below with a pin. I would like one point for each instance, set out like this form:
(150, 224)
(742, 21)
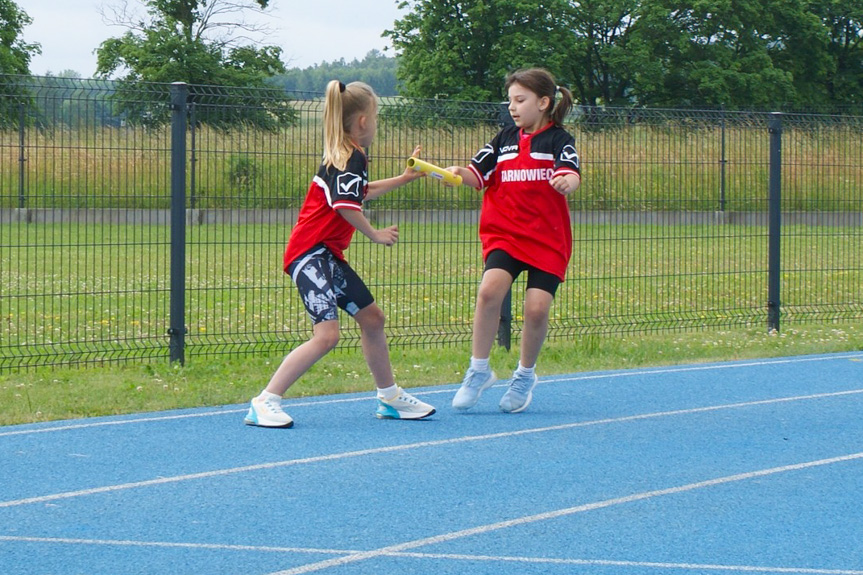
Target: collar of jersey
(523, 135)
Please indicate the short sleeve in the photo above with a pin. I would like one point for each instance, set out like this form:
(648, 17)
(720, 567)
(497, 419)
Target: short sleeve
(566, 159)
(484, 163)
(348, 187)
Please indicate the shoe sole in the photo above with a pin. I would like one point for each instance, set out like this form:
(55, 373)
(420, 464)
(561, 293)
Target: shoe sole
(400, 415)
(254, 423)
(491, 382)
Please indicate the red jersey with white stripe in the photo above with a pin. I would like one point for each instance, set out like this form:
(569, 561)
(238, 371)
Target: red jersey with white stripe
(522, 213)
(319, 221)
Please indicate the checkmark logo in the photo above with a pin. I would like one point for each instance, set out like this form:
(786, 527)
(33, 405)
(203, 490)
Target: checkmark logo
(350, 184)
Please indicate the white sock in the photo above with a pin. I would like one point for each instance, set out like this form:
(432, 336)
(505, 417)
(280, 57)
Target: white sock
(265, 395)
(388, 393)
(526, 371)
(480, 365)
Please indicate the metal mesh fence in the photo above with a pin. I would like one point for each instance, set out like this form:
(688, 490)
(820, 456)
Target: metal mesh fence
(669, 226)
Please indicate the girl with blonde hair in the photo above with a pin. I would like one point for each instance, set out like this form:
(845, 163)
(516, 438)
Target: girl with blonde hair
(315, 259)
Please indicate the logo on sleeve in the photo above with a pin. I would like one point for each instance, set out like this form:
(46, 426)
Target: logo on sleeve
(350, 185)
(568, 154)
(483, 154)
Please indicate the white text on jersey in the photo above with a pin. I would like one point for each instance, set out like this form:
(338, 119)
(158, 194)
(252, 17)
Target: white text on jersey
(528, 175)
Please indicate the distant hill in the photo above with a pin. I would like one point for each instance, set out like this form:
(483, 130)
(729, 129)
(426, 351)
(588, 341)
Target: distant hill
(374, 69)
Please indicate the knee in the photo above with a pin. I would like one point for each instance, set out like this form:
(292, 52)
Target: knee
(489, 296)
(372, 319)
(535, 313)
(327, 339)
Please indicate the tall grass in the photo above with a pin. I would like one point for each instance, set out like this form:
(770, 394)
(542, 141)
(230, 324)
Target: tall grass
(671, 165)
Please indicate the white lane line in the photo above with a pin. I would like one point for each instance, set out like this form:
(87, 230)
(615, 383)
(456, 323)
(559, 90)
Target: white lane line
(636, 564)
(411, 446)
(171, 545)
(484, 529)
(436, 556)
(447, 389)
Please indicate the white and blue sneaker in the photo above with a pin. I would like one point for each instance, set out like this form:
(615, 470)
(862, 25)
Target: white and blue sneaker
(267, 413)
(472, 386)
(403, 406)
(519, 394)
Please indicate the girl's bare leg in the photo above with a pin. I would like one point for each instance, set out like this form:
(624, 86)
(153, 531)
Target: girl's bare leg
(324, 338)
(374, 341)
(492, 289)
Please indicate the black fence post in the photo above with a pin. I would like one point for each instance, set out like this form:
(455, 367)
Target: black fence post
(193, 158)
(22, 158)
(504, 328)
(177, 328)
(722, 163)
(774, 215)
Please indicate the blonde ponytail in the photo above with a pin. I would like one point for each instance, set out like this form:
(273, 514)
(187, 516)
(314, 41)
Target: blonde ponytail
(341, 105)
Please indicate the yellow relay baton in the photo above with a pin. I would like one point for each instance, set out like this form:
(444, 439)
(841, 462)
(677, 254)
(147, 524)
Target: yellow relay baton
(434, 171)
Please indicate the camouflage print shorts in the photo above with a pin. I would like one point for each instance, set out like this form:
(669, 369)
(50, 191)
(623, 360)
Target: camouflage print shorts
(327, 283)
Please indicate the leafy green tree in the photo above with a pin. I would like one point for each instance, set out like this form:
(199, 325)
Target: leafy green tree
(189, 41)
(843, 22)
(600, 65)
(745, 54)
(463, 49)
(15, 55)
(732, 53)
(698, 53)
(67, 99)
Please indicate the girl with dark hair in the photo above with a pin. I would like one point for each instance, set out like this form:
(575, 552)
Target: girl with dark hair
(528, 170)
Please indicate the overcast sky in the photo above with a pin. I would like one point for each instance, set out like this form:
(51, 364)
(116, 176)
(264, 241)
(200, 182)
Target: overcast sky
(309, 32)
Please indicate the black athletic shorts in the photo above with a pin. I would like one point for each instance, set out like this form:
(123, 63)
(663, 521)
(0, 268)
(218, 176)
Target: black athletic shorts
(326, 283)
(536, 278)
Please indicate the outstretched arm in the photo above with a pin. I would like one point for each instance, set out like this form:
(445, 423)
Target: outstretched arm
(380, 187)
(468, 178)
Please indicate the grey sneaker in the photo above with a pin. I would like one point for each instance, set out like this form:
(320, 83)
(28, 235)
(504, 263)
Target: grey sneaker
(472, 386)
(519, 394)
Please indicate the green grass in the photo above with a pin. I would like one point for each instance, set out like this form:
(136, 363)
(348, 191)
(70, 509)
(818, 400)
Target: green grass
(95, 292)
(52, 394)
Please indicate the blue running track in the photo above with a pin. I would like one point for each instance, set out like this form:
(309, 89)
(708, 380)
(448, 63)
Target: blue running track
(729, 468)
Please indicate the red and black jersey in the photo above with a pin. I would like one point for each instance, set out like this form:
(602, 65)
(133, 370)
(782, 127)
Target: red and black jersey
(521, 213)
(319, 221)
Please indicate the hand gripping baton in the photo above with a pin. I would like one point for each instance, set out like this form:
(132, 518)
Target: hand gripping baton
(434, 171)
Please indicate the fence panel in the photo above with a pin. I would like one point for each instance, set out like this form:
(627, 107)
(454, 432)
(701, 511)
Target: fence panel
(822, 254)
(84, 251)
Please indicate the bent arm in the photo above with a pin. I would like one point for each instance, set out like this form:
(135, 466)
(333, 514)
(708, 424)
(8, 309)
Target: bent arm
(387, 236)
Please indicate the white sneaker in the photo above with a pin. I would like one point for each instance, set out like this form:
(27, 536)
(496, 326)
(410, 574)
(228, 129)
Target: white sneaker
(267, 413)
(403, 406)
